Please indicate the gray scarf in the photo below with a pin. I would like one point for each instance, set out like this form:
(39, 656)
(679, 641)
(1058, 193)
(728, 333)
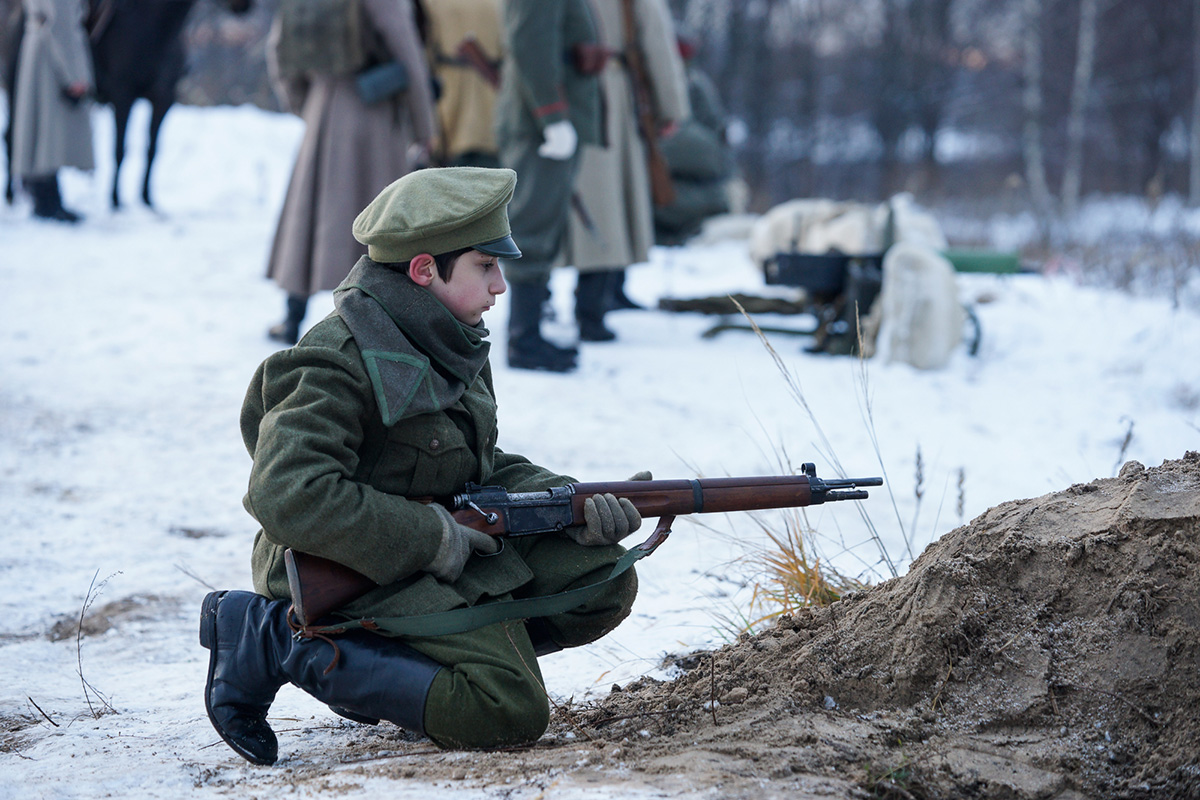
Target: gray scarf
(419, 357)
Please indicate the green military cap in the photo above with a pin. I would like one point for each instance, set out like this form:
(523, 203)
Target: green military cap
(436, 211)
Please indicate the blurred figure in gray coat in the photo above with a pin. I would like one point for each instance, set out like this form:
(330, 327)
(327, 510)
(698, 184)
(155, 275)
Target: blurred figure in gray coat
(613, 226)
(52, 125)
(699, 159)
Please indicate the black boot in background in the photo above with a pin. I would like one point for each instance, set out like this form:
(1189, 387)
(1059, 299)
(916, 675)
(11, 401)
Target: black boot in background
(47, 199)
(288, 331)
(62, 213)
(619, 300)
(526, 347)
(592, 301)
(253, 653)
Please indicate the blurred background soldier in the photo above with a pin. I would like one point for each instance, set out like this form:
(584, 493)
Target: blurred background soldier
(698, 158)
(52, 125)
(549, 103)
(361, 132)
(613, 227)
(465, 49)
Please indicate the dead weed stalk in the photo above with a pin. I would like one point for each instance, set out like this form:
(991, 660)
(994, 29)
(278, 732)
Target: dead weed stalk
(89, 691)
(825, 447)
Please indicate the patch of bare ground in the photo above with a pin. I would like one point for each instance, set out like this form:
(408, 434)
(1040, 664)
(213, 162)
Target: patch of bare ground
(11, 727)
(101, 619)
(1049, 649)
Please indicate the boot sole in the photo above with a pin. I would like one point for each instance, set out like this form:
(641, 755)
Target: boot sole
(208, 640)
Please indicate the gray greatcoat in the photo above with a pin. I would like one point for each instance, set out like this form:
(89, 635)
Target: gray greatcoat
(350, 152)
(613, 181)
(50, 131)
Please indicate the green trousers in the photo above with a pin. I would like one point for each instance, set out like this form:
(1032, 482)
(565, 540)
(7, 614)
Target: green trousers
(540, 208)
(491, 692)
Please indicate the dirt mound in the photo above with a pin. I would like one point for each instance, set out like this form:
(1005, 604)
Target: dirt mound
(1050, 649)
(1057, 638)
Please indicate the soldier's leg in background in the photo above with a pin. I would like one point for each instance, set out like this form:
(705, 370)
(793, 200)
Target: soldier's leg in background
(538, 217)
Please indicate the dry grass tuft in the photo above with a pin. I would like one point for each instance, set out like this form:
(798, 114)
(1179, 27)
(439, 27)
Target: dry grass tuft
(790, 577)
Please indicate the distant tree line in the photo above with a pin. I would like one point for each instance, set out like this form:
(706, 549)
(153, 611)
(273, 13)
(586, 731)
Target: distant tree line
(1031, 102)
(1040, 101)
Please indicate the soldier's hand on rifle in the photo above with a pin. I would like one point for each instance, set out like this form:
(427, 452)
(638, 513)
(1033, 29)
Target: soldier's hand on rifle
(609, 518)
(458, 543)
(560, 141)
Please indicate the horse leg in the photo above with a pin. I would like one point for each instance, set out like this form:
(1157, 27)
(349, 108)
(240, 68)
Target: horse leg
(158, 114)
(17, 18)
(121, 110)
(8, 148)
(8, 154)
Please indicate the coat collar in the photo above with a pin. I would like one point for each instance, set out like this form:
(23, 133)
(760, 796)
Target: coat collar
(419, 357)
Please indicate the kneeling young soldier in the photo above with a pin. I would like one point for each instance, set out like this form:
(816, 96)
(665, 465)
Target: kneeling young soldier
(390, 398)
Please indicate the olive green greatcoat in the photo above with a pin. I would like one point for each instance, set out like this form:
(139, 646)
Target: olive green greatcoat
(538, 84)
(329, 478)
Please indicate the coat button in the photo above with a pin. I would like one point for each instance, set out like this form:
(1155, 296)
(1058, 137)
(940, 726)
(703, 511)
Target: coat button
(435, 444)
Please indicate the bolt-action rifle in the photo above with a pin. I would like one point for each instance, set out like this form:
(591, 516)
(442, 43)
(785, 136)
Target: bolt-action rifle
(320, 586)
(662, 188)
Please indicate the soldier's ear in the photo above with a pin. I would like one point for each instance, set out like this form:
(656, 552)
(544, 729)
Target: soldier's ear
(421, 269)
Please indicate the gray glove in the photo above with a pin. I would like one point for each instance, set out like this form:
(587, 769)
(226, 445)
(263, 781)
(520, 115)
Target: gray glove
(609, 518)
(458, 542)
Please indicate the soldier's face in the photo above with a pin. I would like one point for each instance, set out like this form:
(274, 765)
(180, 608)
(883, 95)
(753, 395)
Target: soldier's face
(475, 282)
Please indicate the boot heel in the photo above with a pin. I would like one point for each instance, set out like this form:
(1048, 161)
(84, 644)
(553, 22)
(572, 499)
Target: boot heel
(208, 620)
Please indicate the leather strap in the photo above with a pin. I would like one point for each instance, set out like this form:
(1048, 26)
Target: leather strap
(461, 620)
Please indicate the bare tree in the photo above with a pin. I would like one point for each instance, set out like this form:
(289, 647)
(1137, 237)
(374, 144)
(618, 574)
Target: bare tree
(1194, 172)
(913, 78)
(1035, 164)
(1085, 61)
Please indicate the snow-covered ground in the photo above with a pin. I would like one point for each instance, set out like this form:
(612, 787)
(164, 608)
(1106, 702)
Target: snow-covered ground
(127, 342)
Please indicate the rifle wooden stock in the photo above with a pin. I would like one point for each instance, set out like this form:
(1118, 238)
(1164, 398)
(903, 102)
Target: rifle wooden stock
(662, 188)
(320, 586)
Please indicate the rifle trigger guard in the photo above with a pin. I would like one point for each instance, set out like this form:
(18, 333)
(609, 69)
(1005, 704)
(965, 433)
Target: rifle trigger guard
(661, 532)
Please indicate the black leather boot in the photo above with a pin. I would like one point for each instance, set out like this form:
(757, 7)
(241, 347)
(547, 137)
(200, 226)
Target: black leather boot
(592, 301)
(618, 300)
(253, 653)
(526, 347)
(239, 629)
(47, 199)
(288, 331)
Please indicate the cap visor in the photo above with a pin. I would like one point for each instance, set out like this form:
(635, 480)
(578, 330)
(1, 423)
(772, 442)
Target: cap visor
(504, 247)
